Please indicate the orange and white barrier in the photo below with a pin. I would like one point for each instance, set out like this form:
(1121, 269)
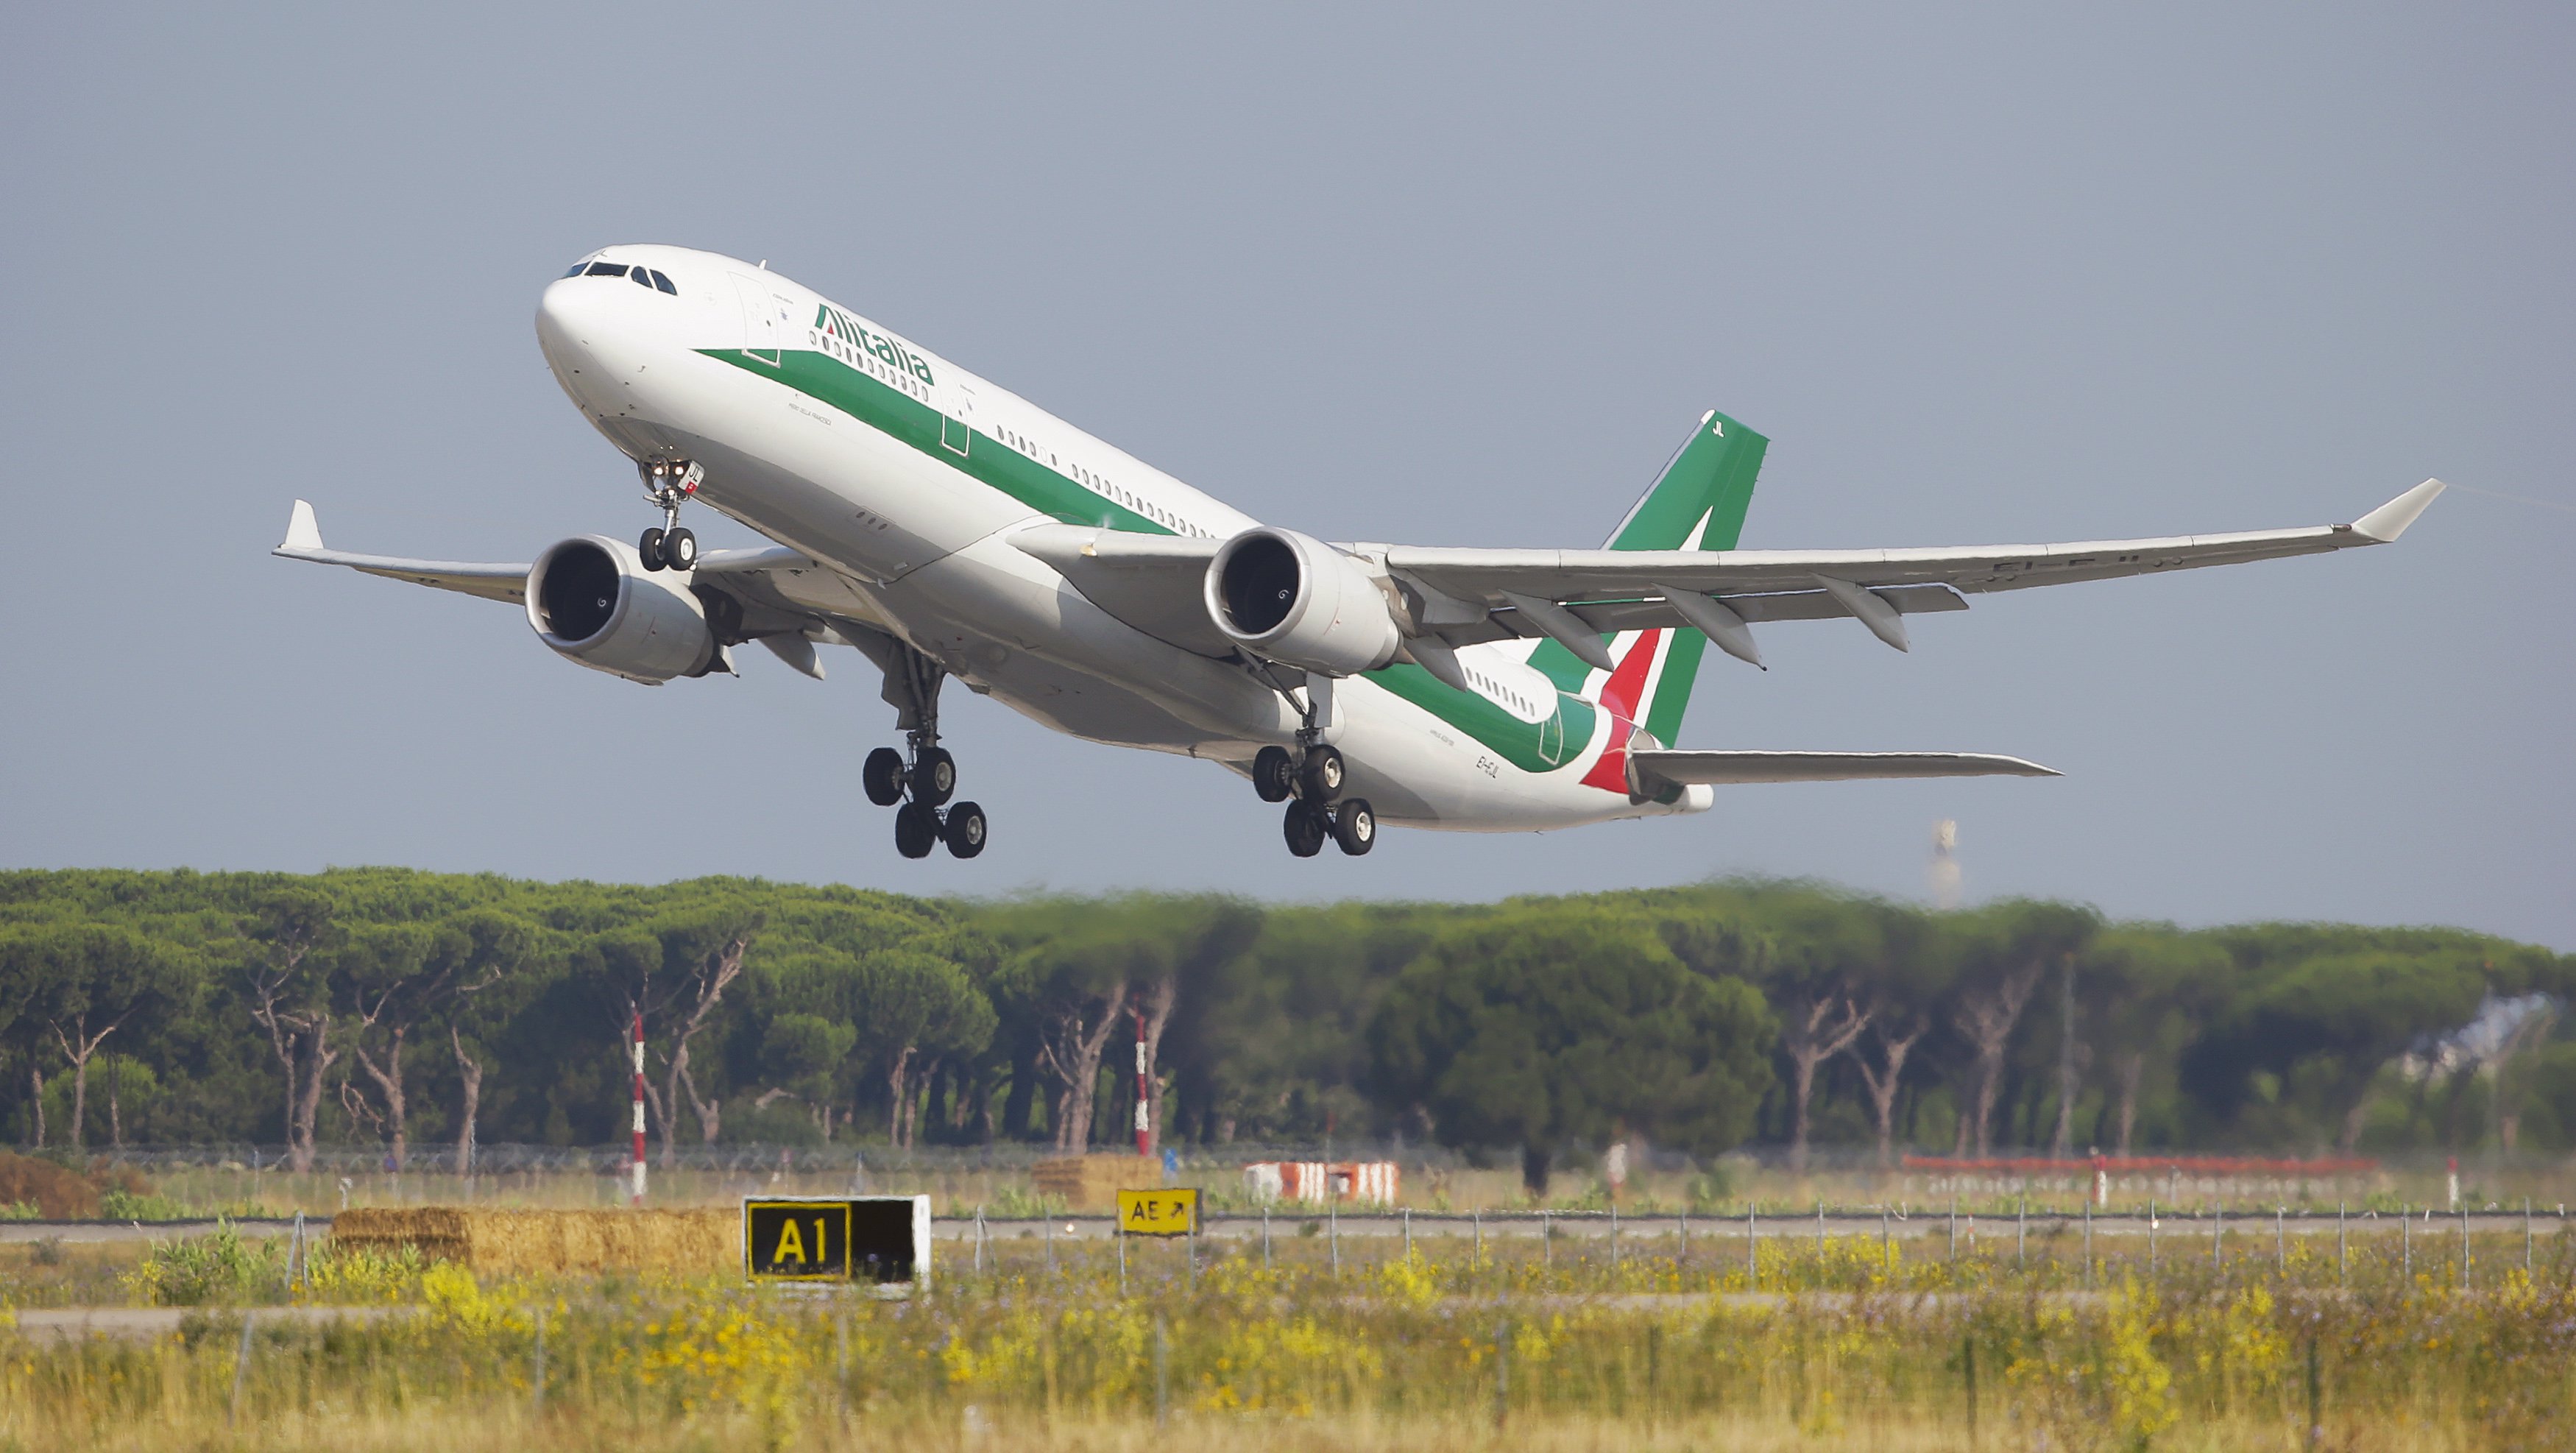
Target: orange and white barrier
(1314, 1182)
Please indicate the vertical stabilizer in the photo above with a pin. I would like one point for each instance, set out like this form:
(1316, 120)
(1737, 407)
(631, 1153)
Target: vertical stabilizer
(1698, 502)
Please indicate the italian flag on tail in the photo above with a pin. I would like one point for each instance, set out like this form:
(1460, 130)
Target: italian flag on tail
(1698, 502)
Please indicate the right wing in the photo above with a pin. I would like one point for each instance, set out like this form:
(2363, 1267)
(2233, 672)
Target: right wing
(783, 596)
(492, 582)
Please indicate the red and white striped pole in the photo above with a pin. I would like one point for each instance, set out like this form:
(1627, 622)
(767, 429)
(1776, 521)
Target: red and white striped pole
(1144, 1111)
(639, 1107)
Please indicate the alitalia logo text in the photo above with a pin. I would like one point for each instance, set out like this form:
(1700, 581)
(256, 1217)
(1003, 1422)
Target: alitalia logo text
(832, 322)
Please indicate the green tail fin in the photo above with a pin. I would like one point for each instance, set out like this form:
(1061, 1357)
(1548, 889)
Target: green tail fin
(1703, 492)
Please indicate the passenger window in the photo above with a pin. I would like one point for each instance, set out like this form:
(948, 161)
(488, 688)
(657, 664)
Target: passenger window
(662, 280)
(608, 269)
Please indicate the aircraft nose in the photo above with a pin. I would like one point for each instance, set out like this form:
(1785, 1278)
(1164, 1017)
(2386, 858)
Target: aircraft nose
(570, 314)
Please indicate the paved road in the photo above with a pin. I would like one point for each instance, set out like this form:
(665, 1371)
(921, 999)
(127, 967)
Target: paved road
(1644, 1230)
(1670, 1230)
(142, 1324)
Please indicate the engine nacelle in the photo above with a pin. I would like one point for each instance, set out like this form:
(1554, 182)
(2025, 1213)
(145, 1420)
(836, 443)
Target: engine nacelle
(592, 600)
(1293, 599)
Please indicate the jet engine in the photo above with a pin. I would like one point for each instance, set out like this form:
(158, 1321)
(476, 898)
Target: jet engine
(1293, 599)
(592, 600)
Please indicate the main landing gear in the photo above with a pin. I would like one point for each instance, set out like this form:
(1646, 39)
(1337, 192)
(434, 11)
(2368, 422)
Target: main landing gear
(923, 777)
(1313, 778)
(668, 484)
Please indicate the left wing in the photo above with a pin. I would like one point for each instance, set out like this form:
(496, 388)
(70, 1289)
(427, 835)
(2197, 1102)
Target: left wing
(1613, 590)
(1731, 768)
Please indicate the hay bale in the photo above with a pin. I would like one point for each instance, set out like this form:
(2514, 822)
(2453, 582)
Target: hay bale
(1092, 1182)
(57, 1194)
(551, 1242)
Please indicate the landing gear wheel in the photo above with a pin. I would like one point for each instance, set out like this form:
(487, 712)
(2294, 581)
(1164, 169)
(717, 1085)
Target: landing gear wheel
(1355, 826)
(934, 780)
(1274, 774)
(964, 830)
(680, 550)
(1320, 779)
(882, 776)
(916, 830)
(1305, 829)
(650, 547)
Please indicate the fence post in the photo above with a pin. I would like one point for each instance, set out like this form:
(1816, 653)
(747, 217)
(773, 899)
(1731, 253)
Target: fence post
(2526, 1235)
(1681, 1232)
(1546, 1240)
(1752, 1268)
(2088, 1241)
(1476, 1215)
(979, 1238)
(2464, 1246)
(2151, 1236)
(1820, 1235)
(1408, 1233)
(537, 1369)
(1502, 1372)
(2217, 1233)
(1954, 1227)
(1120, 1232)
(2281, 1238)
(1333, 1225)
(2021, 1234)
(2406, 1246)
(1968, 1361)
(1614, 1236)
(1886, 1243)
(1048, 1232)
(1265, 1236)
(2343, 1261)
(241, 1369)
(2316, 1397)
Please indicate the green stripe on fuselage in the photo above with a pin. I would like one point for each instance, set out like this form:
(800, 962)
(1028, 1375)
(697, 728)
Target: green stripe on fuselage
(1530, 746)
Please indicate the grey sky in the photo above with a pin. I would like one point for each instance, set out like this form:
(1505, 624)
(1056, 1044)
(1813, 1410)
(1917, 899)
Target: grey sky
(1447, 277)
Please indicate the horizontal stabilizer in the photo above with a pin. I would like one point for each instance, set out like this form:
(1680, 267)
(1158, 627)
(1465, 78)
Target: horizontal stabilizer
(1729, 768)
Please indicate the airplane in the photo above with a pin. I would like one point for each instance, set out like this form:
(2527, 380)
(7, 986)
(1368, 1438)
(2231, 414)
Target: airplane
(946, 528)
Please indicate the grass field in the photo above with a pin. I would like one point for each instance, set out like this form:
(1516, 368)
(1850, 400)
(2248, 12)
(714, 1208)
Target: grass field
(1536, 1344)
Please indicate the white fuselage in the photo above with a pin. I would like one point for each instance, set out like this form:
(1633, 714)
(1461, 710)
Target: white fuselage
(919, 541)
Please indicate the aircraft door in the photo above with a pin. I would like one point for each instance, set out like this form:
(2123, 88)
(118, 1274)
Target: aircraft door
(1551, 734)
(957, 420)
(760, 314)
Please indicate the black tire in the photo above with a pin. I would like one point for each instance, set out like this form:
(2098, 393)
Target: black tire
(1355, 826)
(916, 830)
(1321, 776)
(680, 550)
(1274, 774)
(1305, 829)
(934, 778)
(650, 547)
(883, 776)
(964, 831)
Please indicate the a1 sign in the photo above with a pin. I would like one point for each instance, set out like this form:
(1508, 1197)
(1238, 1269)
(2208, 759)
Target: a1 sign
(796, 1240)
(1173, 1212)
(880, 1239)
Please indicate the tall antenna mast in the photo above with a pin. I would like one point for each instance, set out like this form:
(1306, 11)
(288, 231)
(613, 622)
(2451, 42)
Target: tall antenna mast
(1943, 870)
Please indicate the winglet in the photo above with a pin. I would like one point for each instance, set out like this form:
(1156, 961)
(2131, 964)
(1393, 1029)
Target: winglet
(2390, 520)
(301, 532)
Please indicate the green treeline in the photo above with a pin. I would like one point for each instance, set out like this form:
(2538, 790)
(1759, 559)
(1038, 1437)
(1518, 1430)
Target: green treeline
(425, 1011)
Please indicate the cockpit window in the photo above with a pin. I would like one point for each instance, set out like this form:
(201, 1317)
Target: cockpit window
(641, 279)
(577, 269)
(662, 280)
(607, 269)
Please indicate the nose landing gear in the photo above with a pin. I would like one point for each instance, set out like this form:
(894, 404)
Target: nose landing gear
(668, 484)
